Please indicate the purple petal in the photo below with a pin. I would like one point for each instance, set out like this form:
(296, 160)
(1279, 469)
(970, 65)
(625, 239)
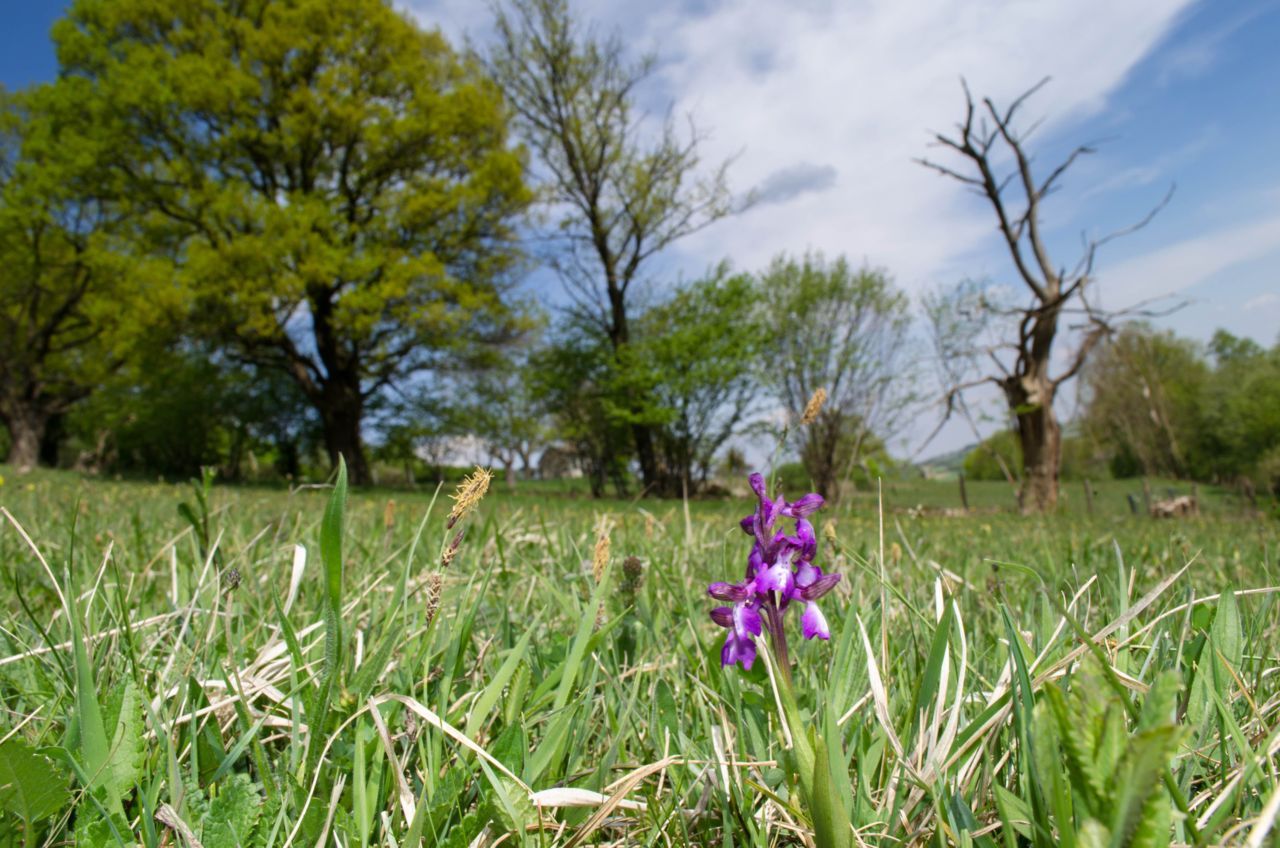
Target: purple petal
(748, 524)
(732, 592)
(722, 616)
(775, 578)
(820, 587)
(814, 623)
(807, 574)
(804, 539)
(746, 620)
(806, 506)
(756, 481)
(737, 650)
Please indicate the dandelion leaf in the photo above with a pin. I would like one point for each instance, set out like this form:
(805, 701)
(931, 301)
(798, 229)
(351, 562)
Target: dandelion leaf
(233, 814)
(31, 788)
(123, 712)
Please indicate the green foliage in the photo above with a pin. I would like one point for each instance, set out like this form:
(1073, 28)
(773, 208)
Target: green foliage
(122, 711)
(1159, 405)
(1102, 780)
(1145, 387)
(574, 380)
(74, 298)
(696, 358)
(187, 409)
(363, 182)
(31, 788)
(233, 814)
(997, 456)
(828, 326)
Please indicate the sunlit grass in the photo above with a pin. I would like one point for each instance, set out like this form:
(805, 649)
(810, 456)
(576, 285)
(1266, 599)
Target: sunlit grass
(536, 675)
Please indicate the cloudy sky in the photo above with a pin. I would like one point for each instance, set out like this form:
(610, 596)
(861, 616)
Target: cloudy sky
(826, 104)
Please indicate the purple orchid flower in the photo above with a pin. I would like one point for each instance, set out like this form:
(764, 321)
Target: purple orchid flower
(780, 570)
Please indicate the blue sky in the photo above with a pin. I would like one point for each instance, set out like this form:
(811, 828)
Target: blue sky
(826, 103)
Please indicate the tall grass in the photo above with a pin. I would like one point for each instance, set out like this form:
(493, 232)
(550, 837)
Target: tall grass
(990, 681)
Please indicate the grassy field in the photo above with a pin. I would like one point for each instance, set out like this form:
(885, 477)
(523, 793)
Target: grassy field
(261, 668)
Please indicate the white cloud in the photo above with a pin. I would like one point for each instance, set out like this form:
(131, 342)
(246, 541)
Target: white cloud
(1268, 300)
(857, 87)
(1180, 266)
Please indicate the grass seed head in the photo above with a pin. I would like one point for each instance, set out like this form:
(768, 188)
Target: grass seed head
(469, 493)
(451, 551)
(814, 406)
(435, 584)
(600, 556)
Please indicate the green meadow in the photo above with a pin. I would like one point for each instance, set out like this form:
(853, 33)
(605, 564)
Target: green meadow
(226, 666)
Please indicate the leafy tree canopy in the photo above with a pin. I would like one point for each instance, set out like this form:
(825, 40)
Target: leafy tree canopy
(339, 181)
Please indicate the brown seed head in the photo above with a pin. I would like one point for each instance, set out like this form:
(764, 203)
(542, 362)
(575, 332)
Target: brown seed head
(469, 493)
(435, 584)
(814, 406)
(600, 556)
(389, 515)
(451, 551)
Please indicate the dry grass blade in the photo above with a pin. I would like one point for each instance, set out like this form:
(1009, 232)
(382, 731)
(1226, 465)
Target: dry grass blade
(453, 733)
(620, 789)
(407, 805)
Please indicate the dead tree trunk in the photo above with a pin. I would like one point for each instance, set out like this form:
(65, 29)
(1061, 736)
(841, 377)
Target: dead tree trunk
(1040, 437)
(1022, 349)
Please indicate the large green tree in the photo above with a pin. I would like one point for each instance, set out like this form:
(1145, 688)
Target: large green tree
(340, 182)
(72, 301)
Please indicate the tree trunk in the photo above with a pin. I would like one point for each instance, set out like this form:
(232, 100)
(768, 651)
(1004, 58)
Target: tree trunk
(341, 413)
(1040, 437)
(819, 456)
(51, 440)
(26, 432)
(645, 454)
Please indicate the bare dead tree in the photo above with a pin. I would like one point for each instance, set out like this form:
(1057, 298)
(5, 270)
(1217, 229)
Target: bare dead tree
(1020, 357)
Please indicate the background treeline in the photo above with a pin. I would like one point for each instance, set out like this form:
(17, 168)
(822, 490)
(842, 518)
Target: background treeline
(1160, 405)
(260, 235)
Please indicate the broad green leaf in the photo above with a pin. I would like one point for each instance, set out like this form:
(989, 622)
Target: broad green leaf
(124, 715)
(233, 814)
(830, 823)
(30, 787)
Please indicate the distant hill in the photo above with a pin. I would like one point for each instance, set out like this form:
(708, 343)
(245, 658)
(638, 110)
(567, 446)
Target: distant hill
(945, 465)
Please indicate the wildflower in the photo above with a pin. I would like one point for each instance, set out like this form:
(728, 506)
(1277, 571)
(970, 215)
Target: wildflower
(469, 494)
(814, 406)
(780, 571)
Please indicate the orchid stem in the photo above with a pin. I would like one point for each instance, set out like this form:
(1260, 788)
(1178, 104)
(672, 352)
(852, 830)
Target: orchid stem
(778, 636)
